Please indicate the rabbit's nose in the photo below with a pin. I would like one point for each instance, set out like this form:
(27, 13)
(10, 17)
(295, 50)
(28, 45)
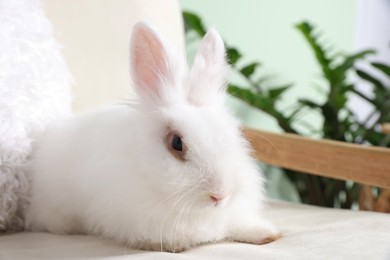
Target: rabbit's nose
(216, 197)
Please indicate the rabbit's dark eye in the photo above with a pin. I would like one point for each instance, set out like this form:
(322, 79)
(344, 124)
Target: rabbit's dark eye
(176, 143)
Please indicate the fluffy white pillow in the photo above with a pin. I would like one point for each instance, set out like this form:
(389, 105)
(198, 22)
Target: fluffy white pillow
(35, 89)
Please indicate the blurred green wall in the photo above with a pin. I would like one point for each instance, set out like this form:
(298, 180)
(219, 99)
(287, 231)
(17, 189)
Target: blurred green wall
(264, 31)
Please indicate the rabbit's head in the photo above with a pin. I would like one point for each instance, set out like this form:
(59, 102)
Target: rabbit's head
(195, 145)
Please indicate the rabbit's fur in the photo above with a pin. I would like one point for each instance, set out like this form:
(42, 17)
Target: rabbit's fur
(113, 173)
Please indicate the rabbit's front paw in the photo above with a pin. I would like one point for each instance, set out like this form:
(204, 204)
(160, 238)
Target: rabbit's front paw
(258, 233)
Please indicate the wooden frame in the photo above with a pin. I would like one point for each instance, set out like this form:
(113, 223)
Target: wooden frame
(339, 160)
(386, 128)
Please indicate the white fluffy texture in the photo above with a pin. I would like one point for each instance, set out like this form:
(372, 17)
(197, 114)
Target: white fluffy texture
(34, 89)
(111, 173)
(156, 70)
(209, 72)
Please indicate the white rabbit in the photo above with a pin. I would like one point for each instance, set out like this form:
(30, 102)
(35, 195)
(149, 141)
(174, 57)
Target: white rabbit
(170, 173)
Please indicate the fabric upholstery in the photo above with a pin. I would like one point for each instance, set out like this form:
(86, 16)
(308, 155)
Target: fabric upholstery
(308, 233)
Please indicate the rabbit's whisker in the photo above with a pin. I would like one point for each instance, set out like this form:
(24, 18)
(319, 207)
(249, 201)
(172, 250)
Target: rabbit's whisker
(268, 140)
(174, 230)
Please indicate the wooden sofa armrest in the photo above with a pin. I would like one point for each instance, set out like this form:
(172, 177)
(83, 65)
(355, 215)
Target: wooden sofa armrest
(339, 160)
(386, 128)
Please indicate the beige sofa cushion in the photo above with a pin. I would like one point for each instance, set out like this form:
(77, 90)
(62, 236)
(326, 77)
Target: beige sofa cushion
(308, 233)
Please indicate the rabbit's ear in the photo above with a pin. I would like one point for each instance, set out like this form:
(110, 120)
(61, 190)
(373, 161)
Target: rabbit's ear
(209, 71)
(154, 69)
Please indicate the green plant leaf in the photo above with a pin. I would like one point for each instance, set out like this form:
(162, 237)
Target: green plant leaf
(367, 77)
(193, 22)
(382, 67)
(291, 117)
(248, 70)
(320, 53)
(275, 92)
(233, 55)
(350, 60)
(309, 103)
(375, 137)
(340, 101)
(250, 97)
(363, 96)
